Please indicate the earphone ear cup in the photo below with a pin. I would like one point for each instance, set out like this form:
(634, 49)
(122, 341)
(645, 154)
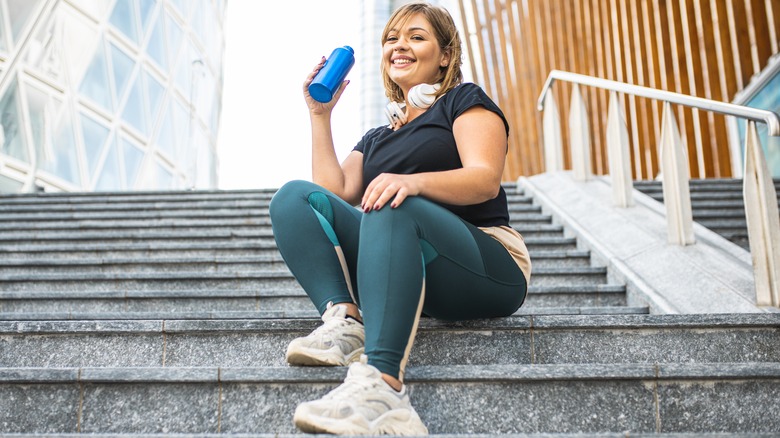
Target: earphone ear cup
(395, 113)
(422, 96)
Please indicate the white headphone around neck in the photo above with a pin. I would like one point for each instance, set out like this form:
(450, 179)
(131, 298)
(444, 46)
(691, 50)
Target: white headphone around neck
(420, 96)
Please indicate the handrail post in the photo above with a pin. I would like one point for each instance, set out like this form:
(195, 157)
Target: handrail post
(619, 161)
(553, 161)
(675, 183)
(763, 220)
(579, 136)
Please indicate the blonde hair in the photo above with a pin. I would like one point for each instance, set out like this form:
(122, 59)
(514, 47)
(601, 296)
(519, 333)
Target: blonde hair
(446, 35)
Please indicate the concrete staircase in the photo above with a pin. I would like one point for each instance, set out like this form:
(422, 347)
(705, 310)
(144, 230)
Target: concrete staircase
(168, 313)
(716, 204)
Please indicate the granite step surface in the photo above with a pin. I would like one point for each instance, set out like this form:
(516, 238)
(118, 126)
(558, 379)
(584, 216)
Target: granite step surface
(249, 280)
(29, 264)
(171, 230)
(139, 313)
(717, 204)
(121, 303)
(213, 243)
(561, 398)
(522, 339)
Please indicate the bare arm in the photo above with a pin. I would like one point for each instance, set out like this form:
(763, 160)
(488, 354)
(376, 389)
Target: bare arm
(344, 180)
(482, 144)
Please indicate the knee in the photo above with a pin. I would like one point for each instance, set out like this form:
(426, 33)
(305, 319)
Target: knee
(409, 210)
(285, 198)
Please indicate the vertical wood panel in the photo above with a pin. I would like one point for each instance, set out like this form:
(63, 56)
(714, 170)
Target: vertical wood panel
(588, 67)
(740, 41)
(478, 30)
(727, 65)
(509, 95)
(601, 68)
(716, 125)
(559, 20)
(654, 69)
(758, 30)
(693, 67)
(538, 71)
(467, 39)
(706, 48)
(773, 19)
(528, 81)
(626, 70)
(645, 113)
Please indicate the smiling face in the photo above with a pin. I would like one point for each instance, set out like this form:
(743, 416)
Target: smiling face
(411, 53)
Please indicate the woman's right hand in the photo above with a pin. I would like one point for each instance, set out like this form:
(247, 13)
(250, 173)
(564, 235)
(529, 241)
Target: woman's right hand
(315, 107)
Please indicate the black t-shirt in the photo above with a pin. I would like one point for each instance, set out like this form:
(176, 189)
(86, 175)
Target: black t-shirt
(427, 144)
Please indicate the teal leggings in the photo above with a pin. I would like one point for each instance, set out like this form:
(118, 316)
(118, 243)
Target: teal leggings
(395, 264)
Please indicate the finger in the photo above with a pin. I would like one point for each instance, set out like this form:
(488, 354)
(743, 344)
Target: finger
(373, 191)
(340, 90)
(399, 197)
(387, 194)
(314, 72)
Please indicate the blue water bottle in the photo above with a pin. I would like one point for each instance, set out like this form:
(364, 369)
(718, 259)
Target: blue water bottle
(332, 74)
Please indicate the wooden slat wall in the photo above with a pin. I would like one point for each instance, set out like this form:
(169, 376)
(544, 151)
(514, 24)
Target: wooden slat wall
(705, 48)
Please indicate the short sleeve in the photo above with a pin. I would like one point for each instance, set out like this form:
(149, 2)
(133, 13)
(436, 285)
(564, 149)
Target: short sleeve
(369, 136)
(469, 95)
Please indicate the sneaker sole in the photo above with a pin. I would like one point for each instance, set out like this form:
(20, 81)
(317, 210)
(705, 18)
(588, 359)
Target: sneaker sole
(397, 422)
(312, 357)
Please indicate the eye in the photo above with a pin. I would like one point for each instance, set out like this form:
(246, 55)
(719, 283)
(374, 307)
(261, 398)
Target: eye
(418, 38)
(391, 38)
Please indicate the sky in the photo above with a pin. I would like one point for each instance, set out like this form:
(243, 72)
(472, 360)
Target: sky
(264, 135)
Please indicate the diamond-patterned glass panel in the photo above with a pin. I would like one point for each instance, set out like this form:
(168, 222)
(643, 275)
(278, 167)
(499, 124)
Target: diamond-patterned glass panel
(165, 135)
(156, 46)
(175, 37)
(110, 173)
(146, 10)
(123, 17)
(44, 52)
(3, 41)
(19, 12)
(183, 7)
(122, 65)
(154, 93)
(134, 112)
(133, 158)
(95, 135)
(11, 133)
(164, 177)
(95, 83)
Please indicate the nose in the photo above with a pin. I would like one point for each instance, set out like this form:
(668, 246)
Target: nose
(401, 44)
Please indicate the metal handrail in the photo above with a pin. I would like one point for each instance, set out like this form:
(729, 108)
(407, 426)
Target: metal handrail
(761, 211)
(771, 119)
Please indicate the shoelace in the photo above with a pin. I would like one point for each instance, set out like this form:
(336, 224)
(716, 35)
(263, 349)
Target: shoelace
(351, 386)
(330, 326)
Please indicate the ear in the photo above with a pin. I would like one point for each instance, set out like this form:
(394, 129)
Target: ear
(445, 58)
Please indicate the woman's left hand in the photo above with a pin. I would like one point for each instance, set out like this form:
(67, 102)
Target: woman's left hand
(389, 186)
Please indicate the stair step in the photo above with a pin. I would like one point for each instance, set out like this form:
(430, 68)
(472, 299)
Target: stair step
(45, 216)
(124, 302)
(281, 314)
(168, 229)
(535, 339)
(617, 398)
(252, 280)
(211, 246)
(129, 196)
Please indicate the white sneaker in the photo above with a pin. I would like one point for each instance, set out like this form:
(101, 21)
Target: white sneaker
(338, 342)
(363, 405)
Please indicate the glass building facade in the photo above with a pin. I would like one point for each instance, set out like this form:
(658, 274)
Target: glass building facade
(109, 95)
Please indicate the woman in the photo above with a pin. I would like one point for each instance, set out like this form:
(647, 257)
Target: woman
(431, 236)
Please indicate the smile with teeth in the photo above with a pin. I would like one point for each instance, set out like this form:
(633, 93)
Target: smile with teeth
(403, 61)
